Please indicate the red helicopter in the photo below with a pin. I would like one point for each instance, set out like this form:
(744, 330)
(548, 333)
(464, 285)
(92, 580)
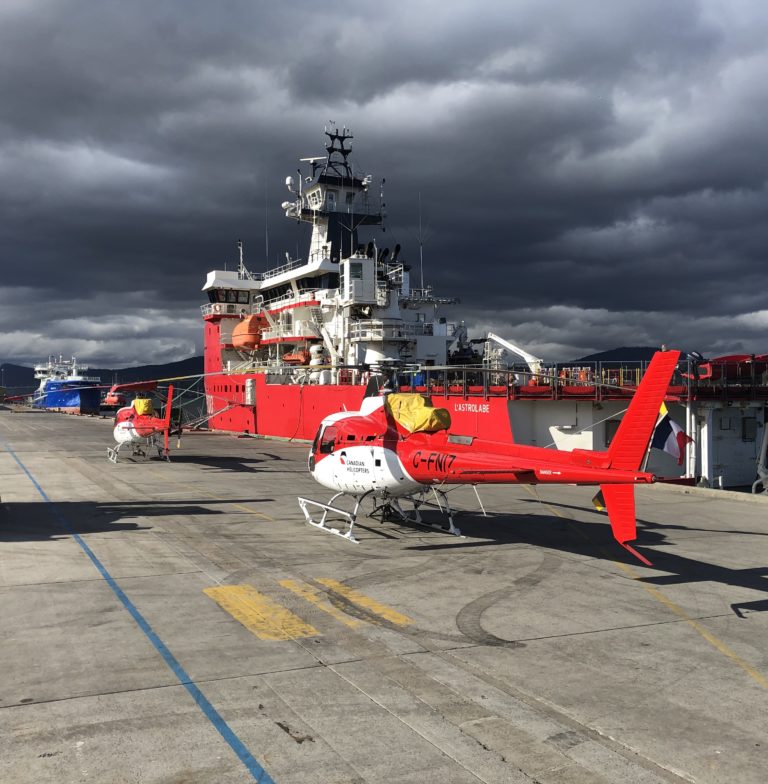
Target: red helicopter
(137, 425)
(397, 447)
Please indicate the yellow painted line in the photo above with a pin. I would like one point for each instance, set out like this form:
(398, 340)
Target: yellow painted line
(259, 614)
(360, 599)
(318, 599)
(674, 608)
(248, 509)
(244, 508)
(712, 639)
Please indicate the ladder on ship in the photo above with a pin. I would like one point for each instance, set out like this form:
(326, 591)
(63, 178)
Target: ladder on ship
(316, 320)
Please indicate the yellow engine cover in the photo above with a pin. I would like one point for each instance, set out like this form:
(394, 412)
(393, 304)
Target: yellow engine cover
(143, 406)
(413, 413)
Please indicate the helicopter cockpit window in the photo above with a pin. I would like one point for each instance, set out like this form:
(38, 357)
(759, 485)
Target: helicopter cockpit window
(327, 440)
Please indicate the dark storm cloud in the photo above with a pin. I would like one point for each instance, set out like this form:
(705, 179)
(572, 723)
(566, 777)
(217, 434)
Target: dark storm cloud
(590, 173)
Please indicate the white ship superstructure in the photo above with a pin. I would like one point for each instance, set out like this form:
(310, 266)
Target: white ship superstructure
(64, 386)
(348, 305)
(60, 369)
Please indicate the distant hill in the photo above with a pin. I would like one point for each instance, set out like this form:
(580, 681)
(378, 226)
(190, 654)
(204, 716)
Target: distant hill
(19, 379)
(184, 367)
(623, 354)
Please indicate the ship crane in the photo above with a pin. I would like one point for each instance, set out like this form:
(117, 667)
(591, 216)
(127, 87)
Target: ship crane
(534, 363)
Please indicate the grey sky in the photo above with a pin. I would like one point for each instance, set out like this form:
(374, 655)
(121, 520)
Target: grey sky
(592, 174)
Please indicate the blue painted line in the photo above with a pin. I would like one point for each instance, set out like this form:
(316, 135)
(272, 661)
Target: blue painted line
(226, 732)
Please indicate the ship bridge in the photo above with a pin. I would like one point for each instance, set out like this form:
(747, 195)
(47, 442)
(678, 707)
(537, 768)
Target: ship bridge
(334, 199)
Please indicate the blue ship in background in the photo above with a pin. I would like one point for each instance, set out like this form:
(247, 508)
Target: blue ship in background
(64, 387)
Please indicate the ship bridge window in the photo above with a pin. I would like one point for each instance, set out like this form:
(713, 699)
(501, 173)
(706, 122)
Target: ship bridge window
(221, 295)
(350, 197)
(276, 292)
(329, 280)
(331, 200)
(355, 271)
(232, 296)
(242, 297)
(315, 198)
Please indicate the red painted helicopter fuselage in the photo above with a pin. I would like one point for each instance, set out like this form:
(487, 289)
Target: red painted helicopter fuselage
(132, 427)
(371, 452)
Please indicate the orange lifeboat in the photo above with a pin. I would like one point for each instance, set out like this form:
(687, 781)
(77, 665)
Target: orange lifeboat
(246, 335)
(297, 358)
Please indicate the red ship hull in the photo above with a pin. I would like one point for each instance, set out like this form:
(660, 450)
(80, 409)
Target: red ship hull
(295, 412)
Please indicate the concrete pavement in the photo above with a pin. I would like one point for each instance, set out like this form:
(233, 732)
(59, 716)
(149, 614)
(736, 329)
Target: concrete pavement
(181, 623)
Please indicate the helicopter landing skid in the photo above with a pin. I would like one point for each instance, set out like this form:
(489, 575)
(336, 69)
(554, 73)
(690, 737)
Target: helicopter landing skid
(307, 504)
(139, 450)
(388, 508)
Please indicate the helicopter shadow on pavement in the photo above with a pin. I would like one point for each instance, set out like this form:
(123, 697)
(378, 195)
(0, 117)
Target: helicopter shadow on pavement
(594, 540)
(40, 521)
(249, 465)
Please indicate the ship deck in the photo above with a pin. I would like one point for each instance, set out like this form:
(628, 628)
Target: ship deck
(179, 622)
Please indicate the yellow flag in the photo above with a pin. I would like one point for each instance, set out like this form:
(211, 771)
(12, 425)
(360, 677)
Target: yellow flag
(599, 502)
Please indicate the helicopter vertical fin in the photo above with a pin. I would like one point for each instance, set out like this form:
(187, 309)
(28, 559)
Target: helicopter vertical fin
(620, 505)
(630, 443)
(629, 446)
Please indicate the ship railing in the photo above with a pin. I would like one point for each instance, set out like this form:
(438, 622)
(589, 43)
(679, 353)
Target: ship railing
(379, 331)
(292, 264)
(225, 308)
(573, 381)
(301, 330)
(271, 273)
(305, 294)
(584, 380)
(724, 380)
(425, 295)
(279, 373)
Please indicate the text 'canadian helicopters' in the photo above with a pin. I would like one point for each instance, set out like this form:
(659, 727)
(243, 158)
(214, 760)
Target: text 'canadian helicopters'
(138, 426)
(398, 448)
